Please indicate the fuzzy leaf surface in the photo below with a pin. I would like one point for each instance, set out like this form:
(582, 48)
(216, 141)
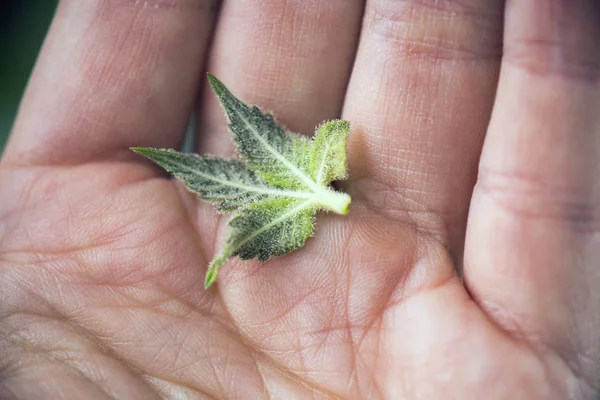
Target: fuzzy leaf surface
(227, 183)
(275, 191)
(271, 228)
(279, 156)
(328, 152)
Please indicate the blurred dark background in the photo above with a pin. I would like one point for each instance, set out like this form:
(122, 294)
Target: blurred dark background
(23, 25)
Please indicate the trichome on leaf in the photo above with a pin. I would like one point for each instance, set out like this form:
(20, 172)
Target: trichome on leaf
(275, 191)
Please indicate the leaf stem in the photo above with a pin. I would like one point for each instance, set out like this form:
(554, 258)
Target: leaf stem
(334, 201)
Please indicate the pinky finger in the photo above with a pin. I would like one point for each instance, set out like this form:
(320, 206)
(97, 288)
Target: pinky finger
(533, 240)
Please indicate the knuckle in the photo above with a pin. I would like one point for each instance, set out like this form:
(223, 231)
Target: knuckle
(438, 30)
(545, 57)
(529, 197)
(556, 39)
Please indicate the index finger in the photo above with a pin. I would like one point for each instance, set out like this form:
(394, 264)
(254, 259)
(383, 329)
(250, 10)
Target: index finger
(112, 74)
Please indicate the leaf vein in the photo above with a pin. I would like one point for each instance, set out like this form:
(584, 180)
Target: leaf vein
(309, 182)
(264, 190)
(323, 163)
(302, 206)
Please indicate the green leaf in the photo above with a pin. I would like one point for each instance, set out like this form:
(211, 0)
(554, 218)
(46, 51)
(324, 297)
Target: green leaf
(271, 228)
(328, 153)
(227, 183)
(277, 155)
(275, 192)
(265, 229)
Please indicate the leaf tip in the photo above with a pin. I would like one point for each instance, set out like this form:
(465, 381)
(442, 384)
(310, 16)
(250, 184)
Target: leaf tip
(335, 125)
(211, 77)
(213, 270)
(341, 124)
(151, 153)
(211, 277)
(216, 84)
(140, 150)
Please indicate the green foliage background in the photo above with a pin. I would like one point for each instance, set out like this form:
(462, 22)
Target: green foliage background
(23, 25)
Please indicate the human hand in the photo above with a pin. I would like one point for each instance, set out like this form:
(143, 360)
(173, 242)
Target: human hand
(103, 258)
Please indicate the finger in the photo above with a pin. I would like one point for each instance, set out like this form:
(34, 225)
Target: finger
(533, 243)
(419, 100)
(112, 74)
(292, 58)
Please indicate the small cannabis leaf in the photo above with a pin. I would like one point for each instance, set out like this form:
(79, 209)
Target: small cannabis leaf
(273, 194)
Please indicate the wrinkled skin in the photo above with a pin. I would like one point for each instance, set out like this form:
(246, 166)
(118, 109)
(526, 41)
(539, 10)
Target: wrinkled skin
(472, 108)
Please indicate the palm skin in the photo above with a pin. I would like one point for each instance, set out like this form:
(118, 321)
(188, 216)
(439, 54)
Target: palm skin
(103, 262)
(368, 309)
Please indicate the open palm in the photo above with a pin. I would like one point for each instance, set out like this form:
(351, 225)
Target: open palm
(103, 257)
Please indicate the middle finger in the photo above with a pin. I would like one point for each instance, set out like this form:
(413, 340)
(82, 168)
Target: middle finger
(292, 58)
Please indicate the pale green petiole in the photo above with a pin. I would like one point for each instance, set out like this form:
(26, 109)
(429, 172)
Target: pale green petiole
(334, 201)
